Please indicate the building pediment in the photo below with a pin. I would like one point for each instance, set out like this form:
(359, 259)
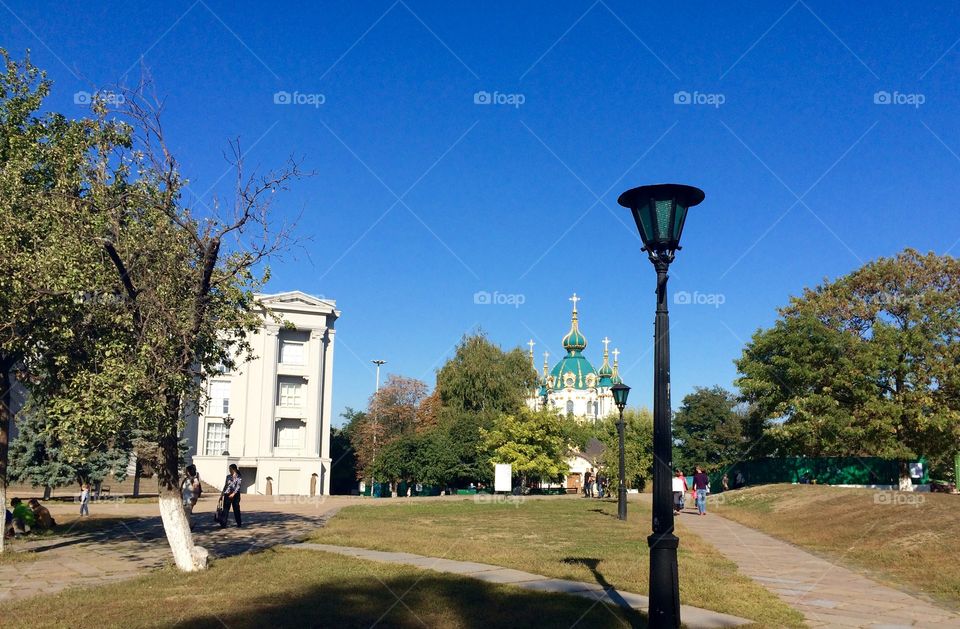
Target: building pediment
(298, 300)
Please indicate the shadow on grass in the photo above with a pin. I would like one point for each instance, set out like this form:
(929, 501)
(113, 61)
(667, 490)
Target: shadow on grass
(429, 600)
(636, 618)
(134, 537)
(606, 513)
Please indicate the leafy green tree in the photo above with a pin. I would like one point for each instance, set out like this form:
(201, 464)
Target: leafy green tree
(396, 460)
(42, 262)
(463, 430)
(436, 464)
(637, 447)
(343, 471)
(483, 378)
(708, 430)
(864, 365)
(534, 443)
(182, 282)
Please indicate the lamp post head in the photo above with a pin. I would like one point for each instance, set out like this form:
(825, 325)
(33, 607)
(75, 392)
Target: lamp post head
(620, 392)
(660, 211)
(227, 422)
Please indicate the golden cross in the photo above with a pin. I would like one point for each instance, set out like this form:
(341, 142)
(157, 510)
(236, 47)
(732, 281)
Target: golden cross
(575, 299)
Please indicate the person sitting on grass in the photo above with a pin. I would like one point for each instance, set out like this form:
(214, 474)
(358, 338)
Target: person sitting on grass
(42, 515)
(23, 518)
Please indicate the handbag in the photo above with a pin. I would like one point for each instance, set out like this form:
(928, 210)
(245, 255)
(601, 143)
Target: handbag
(221, 514)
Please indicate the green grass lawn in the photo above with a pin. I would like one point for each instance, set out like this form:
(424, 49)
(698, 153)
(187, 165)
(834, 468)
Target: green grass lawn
(907, 540)
(559, 538)
(294, 588)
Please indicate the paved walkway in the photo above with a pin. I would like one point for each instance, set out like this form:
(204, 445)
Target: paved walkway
(131, 548)
(693, 617)
(828, 595)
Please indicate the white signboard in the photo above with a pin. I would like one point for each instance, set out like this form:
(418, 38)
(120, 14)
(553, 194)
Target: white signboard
(503, 477)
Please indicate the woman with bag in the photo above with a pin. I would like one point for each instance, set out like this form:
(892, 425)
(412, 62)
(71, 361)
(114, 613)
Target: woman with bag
(230, 497)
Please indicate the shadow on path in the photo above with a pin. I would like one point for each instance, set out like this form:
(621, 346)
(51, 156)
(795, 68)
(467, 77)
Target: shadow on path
(635, 617)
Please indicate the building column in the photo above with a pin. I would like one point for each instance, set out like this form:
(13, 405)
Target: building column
(313, 413)
(268, 392)
(326, 395)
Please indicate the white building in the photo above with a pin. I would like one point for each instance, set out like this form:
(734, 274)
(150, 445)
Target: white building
(573, 386)
(280, 403)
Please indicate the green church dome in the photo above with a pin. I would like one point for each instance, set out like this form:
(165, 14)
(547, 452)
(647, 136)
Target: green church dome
(573, 370)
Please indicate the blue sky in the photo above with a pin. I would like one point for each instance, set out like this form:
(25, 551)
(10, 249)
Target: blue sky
(423, 197)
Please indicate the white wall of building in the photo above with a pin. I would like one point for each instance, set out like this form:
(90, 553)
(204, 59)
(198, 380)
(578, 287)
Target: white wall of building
(281, 404)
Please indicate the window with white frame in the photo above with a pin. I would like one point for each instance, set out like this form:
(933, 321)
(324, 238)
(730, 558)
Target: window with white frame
(293, 347)
(216, 441)
(290, 392)
(219, 403)
(291, 353)
(289, 433)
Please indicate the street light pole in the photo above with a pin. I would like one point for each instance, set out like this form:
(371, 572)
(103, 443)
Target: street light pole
(378, 362)
(660, 212)
(620, 392)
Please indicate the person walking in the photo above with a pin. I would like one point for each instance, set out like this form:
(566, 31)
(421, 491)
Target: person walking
(725, 482)
(190, 489)
(701, 484)
(231, 494)
(679, 486)
(85, 499)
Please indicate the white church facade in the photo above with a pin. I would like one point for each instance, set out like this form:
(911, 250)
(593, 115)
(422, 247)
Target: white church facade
(573, 386)
(272, 416)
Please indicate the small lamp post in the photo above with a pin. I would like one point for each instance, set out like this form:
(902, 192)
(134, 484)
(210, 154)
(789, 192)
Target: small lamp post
(660, 212)
(227, 422)
(620, 392)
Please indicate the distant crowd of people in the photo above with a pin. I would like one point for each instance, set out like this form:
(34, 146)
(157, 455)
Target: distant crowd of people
(595, 485)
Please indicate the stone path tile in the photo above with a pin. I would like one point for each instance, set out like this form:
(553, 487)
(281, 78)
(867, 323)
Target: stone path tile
(826, 594)
(693, 617)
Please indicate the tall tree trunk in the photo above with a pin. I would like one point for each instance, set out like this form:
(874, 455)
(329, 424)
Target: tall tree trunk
(186, 555)
(6, 416)
(137, 469)
(47, 490)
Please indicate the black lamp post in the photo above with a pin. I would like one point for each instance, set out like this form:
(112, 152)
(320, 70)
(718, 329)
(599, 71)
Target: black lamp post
(620, 392)
(660, 211)
(227, 422)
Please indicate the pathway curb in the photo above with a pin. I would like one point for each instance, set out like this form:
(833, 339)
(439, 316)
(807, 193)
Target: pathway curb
(693, 617)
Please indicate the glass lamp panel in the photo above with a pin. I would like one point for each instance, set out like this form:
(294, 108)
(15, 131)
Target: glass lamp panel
(679, 218)
(664, 208)
(644, 220)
